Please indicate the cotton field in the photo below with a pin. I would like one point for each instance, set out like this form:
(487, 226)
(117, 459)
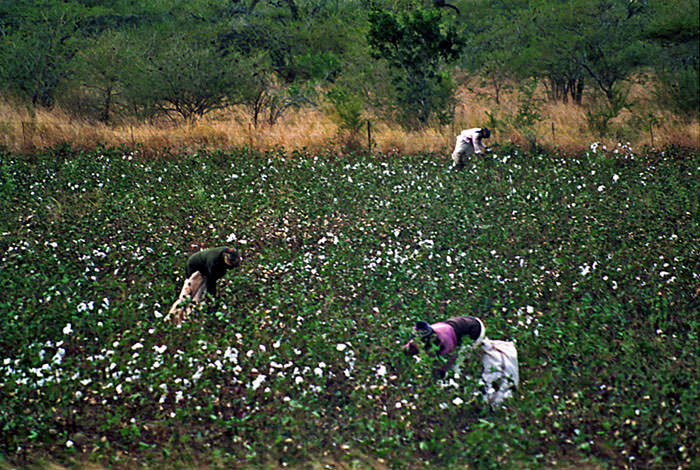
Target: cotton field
(588, 262)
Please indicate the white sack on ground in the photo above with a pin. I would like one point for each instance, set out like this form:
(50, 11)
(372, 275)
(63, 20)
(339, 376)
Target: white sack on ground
(192, 293)
(500, 360)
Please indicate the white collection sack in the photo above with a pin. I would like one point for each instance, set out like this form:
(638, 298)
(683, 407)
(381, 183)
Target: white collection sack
(500, 360)
(191, 294)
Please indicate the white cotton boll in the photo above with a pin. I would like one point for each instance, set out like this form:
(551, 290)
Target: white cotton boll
(68, 329)
(457, 401)
(341, 347)
(298, 379)
(58, 357)
(615, 178)
(381, 370)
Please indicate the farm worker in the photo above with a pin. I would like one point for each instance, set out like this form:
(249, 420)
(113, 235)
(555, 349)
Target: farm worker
(499, 358)
(445, 337)
(469, 141)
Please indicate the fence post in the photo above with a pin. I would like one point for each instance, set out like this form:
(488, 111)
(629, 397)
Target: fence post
(369, 137)
(553, 135)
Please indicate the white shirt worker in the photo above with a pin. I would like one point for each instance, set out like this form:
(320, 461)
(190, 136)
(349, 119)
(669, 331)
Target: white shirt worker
(469, 141)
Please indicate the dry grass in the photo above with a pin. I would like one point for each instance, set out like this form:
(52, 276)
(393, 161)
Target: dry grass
(563, 125)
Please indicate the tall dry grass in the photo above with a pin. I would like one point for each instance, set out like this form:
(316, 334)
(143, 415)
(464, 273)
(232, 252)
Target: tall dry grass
(562, 126)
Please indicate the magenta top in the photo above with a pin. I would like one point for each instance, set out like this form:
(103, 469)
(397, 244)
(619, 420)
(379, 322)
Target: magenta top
(449, 333)
(447, 336)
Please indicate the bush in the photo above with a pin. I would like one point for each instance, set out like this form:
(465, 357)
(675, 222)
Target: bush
(681, 90)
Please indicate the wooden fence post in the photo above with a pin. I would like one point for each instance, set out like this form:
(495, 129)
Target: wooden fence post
(553, 135)
(369, 137)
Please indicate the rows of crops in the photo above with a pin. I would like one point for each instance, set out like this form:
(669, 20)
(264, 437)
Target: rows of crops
(588, 262)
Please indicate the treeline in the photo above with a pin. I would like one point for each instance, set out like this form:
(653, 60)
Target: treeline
(118, 59)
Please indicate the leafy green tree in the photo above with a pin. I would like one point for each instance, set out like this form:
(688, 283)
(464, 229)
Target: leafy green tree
(186, 76)
(495, 32)
(101, 68)
(417, 46)
(301, 40)
(610, 46)
(346, 109)
(676, 31)
(552, 42)
(35, 51)
(265, 96)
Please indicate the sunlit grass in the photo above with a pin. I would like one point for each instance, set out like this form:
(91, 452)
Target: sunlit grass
(561, 126)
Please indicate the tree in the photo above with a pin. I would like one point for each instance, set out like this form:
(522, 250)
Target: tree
(551, 43)
(495, 31)
(101, 68)
(34, 53)
(610, 46)
(676, 31)
(186, 76)
(416, 45)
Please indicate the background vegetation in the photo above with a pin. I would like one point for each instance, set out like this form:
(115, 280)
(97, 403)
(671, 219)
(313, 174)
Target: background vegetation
(407, 64)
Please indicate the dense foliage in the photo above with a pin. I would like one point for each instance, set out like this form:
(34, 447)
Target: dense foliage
(588, 262)
(129, 58)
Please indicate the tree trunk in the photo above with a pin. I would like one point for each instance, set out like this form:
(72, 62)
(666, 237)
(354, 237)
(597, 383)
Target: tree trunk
(577, 90)
(104, 114)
